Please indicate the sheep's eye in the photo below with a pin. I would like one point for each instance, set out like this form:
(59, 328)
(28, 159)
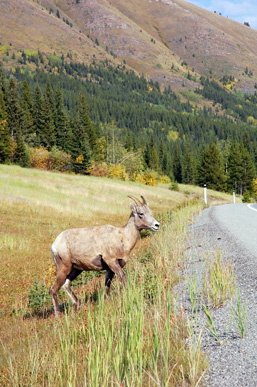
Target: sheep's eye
(141, 214)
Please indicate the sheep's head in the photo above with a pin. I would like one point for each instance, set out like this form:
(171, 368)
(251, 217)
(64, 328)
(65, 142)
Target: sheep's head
(143, 215)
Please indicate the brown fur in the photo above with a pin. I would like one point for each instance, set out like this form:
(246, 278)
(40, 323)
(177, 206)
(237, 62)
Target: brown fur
(98, 248)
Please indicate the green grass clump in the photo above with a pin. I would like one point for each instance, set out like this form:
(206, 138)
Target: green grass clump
(219, 282)
(239, 312)
(38, 297)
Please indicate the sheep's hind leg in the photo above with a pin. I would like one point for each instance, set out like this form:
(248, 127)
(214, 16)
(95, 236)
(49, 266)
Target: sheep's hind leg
(66, 286)
(62, 272)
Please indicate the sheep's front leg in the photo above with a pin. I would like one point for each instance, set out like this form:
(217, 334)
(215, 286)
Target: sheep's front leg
(115, 266)
(108, 280)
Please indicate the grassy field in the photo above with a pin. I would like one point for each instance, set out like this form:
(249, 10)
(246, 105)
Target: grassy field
(137, 336)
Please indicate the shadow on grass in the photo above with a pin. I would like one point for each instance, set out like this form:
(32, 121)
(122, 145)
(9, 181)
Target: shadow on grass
(66, 307)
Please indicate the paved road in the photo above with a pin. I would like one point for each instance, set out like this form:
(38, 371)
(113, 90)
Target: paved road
(233, 230)
(240, 222)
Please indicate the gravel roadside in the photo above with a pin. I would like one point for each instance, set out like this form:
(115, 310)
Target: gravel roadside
(234, 363)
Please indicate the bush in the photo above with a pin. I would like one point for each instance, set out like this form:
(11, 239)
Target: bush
(150, 177)
(118, 171)
(247, 197)
(98, 169)
(40, 158)
(59, 160)
(164, 180)
(138, 177)
(174, 186)
(38, 297)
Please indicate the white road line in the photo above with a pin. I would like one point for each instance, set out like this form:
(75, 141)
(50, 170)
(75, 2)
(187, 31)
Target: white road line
(249, 206)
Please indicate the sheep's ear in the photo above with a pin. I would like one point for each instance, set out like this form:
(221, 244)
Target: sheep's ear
(133, 208)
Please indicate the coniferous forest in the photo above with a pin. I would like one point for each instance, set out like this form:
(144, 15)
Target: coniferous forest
(108, 121)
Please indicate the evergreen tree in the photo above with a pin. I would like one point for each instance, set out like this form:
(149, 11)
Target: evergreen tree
(79, 147)
(13, 110)
(3, 86)
(151, 155)
(38, 121)
(60, 121)
(235, 169)
(248, 171)
(85, 123)
(5, 139)
(47, 135)
(21, 156)
(211, 169)
(188, 173)
(161, 155)
(128, 142)
(177, 163)
(26, 108)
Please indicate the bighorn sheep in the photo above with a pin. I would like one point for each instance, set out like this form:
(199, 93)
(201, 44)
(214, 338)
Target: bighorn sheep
(98, 248)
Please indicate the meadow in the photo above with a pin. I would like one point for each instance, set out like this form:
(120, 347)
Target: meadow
(138, 336)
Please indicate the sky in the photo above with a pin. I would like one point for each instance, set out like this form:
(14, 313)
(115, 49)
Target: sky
(239, 10)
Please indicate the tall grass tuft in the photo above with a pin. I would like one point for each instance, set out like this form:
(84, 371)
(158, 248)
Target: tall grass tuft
(239, 312)
(219, 281)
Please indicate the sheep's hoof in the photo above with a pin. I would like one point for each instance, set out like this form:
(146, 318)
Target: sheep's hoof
(77, 305)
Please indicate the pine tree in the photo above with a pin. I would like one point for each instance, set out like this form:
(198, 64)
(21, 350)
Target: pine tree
(248, 171)
(47, 135)
(13, 110)
(3, 85)
(128, 142)
(86, 125)
(211, 169)
(60, 121)
(38, 121)
(5, 139)
(188, 173)
(151, 155)
(21, 156)
(79, 147)
(26, 108)
(177, 163)
(235, 169)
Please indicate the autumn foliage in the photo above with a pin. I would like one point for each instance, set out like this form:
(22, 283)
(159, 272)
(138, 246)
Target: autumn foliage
(41, 158)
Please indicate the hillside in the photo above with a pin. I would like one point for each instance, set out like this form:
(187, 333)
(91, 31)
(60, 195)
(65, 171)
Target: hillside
(162, 39)
(68, 85)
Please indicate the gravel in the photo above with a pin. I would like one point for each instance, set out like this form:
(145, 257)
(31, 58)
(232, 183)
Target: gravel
(234, 363)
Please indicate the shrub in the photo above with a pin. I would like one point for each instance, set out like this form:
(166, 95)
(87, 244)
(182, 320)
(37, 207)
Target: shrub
(174, 186)
(150, 177)
(40, 158)
(247, 197)
(138, 177)
(98, 169)
(38, 297)
(118, 171)
(13, 147)
(164, 180)
(59, 160)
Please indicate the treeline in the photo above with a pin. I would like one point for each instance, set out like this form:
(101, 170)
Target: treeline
(238, 105)
(87, 119)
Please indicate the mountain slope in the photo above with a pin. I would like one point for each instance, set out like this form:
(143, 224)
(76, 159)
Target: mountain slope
(209, 43)
(163, 39)
(28, 26)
